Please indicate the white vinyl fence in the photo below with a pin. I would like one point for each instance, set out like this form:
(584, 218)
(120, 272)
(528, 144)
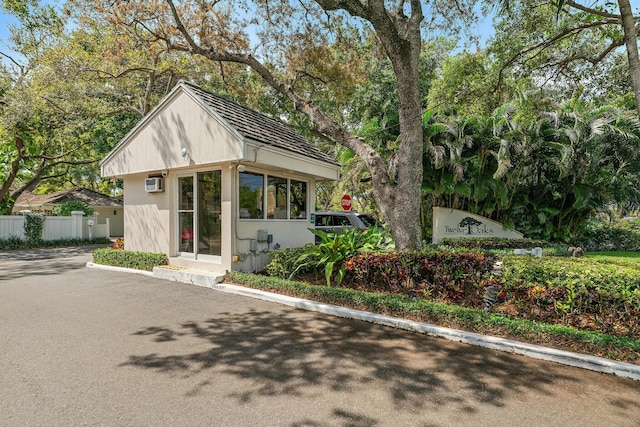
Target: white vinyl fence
(57, 227)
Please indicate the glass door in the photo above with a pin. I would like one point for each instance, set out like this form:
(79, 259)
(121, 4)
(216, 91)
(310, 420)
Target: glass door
(209, 209)
(185, 214)
(199, 215)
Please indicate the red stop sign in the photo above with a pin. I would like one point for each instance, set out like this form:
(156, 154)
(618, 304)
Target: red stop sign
(345, 202)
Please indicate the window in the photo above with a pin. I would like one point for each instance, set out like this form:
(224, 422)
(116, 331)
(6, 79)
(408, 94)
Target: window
(298, 199)
(185, 213)
(324, 220)
(271, 197)
(276, 198)
(250, 195)
(341, 220)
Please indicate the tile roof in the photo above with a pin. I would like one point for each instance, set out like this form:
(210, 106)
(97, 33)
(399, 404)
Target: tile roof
(257, 126)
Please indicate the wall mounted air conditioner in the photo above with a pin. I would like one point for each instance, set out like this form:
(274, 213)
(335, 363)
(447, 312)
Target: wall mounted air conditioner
(153, 185)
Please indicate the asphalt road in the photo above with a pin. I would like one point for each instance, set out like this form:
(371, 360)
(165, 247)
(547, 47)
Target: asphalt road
(82, 346)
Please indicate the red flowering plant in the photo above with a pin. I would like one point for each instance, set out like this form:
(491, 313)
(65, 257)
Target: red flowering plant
(118, 244)
(439, 274)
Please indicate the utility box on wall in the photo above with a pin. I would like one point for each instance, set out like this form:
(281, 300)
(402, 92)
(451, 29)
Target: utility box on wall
(263, 236)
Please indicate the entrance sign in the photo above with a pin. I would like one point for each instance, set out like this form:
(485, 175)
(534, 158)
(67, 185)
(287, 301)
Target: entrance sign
(454, 224)
(345, 202)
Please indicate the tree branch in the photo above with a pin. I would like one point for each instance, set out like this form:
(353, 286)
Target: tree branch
(15, 167)
(323, 123)
(591, 10)
(546, 43)
(10, 58)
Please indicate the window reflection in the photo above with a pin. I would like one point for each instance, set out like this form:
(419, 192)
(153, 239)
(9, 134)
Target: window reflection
(298, 200)
(285, 198)
(276, 198)
(250, 195)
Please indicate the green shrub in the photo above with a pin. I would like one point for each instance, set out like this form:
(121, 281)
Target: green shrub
(129, 259)
(493, 243)
(15, 243)
(333, 249)
(620, 236)
(33, 228)
(283, 262)
(576, 291)
(61, 243)
(66, 208)
(441, 273)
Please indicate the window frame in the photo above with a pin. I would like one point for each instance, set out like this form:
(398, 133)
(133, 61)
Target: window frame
(265, 196)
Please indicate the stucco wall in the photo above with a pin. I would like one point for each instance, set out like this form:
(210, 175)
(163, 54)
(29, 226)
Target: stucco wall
(146, 217)
(287, 234)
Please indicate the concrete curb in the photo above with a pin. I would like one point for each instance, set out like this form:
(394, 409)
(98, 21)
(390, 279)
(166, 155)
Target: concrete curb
(593, 363)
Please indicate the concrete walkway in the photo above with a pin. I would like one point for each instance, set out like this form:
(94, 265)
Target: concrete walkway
(213, 281)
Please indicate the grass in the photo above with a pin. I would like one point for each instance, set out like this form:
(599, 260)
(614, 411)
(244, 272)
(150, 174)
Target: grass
(623, 259)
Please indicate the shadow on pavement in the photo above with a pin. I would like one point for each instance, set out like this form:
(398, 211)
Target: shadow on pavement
(283, 355)
(18, 264)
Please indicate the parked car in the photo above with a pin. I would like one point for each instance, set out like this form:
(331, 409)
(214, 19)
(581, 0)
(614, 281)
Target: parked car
(336, 222)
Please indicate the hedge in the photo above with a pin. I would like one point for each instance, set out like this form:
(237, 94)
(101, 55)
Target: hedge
(450, 273)
(283, 262)
(594, 294)
(16, 243)
(493, 243)
(620, 236)
(129, 259)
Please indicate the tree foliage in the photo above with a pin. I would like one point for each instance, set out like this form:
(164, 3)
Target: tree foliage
(67, 207)
(69, 95)
(569, 45)
(533, 131)
(545, 177)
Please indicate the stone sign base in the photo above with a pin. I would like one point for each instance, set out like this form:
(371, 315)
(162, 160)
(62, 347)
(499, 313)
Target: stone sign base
(455, 224)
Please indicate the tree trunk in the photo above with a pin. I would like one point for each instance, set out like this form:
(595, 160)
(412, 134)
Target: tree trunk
(13, 172)
(631, 41)
(402, 209)
(399, 197)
